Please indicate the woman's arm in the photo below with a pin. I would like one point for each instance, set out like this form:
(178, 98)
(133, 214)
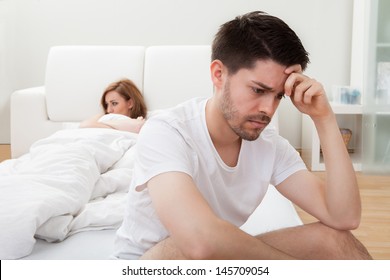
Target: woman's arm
(125, 124)
(93, 122)
(130, 125)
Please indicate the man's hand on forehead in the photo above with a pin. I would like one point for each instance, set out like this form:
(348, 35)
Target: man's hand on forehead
(297, 68)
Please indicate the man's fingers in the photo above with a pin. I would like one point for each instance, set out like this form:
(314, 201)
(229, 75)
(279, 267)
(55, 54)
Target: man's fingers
(301, 88)
(304, 92)
(297, 68)
(292, 81)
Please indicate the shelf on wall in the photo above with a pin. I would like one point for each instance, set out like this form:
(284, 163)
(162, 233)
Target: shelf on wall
(383, 45)
(348, 116)
(355, 109)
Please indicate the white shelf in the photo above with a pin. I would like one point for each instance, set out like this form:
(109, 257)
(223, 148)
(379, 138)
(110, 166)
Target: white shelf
(383, 45)
(348, 116)
(347, 108)
(371, 45)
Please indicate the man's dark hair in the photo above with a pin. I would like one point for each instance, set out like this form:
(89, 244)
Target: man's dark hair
(239, 43)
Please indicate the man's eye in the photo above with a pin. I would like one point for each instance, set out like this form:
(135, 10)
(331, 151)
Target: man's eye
(280, 96)
(258, 90)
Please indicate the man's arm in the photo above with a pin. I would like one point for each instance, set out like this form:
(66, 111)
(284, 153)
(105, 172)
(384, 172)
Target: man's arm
(335, 202)
(194, 228)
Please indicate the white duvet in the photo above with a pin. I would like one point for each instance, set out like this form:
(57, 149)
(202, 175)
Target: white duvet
(72, 181)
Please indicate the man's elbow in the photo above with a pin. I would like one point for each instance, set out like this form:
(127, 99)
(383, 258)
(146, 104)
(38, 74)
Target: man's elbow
(199, 249)
(202, 244)
(353, 221)
(348, 223)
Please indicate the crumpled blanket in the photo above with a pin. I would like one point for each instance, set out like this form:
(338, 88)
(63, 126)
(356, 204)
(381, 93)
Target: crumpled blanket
(71, 181)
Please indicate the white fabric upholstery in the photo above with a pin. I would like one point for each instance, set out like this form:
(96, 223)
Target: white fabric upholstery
(76, 76)
(174, 74)
(29, 120)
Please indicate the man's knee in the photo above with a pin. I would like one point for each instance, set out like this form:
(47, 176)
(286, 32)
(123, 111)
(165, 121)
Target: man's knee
(341, 244)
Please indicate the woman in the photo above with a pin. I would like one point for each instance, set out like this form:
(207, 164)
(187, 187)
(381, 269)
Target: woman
(124, 108)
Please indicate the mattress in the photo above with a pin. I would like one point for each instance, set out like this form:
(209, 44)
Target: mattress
(87, 245)
(274, 212)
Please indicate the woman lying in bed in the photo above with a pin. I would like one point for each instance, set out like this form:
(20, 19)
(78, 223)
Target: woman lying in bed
(124, 108)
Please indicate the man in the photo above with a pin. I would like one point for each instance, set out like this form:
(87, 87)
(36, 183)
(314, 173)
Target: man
(205, 165)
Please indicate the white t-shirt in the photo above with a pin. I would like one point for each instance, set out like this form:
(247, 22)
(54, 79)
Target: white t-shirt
(178, 140)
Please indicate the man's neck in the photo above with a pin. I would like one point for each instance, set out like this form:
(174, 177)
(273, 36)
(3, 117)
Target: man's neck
(225, 140)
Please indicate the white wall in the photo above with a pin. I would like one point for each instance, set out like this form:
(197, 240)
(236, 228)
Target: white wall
(7, 84)
(28, 28)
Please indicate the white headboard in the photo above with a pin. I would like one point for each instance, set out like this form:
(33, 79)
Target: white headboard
(174, 74)
(76, 77)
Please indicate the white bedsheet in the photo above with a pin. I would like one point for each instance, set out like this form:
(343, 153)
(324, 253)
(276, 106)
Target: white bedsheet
(72, 181)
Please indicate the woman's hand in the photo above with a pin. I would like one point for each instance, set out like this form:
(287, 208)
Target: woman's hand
(139, 122)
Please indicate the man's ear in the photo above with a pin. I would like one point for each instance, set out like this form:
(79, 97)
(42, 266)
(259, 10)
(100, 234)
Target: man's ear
(217, 71)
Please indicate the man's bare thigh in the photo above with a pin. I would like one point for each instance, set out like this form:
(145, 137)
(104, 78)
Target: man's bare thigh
(316, 241)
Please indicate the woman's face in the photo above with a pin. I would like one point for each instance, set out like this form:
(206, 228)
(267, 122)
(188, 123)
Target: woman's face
(117, 104)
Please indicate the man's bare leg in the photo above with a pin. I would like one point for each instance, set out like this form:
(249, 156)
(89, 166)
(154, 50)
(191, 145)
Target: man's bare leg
(164, 250)
(311, 241)
(316, 241)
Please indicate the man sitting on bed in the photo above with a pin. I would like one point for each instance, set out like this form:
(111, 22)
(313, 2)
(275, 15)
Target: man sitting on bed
(204, 166)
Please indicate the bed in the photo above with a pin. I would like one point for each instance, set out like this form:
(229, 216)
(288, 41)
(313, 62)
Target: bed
(62, 193)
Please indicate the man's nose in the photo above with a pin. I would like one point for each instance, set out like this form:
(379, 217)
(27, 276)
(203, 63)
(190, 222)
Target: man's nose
(267, 105)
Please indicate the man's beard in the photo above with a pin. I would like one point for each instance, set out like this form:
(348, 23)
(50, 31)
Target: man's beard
(231, 115)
